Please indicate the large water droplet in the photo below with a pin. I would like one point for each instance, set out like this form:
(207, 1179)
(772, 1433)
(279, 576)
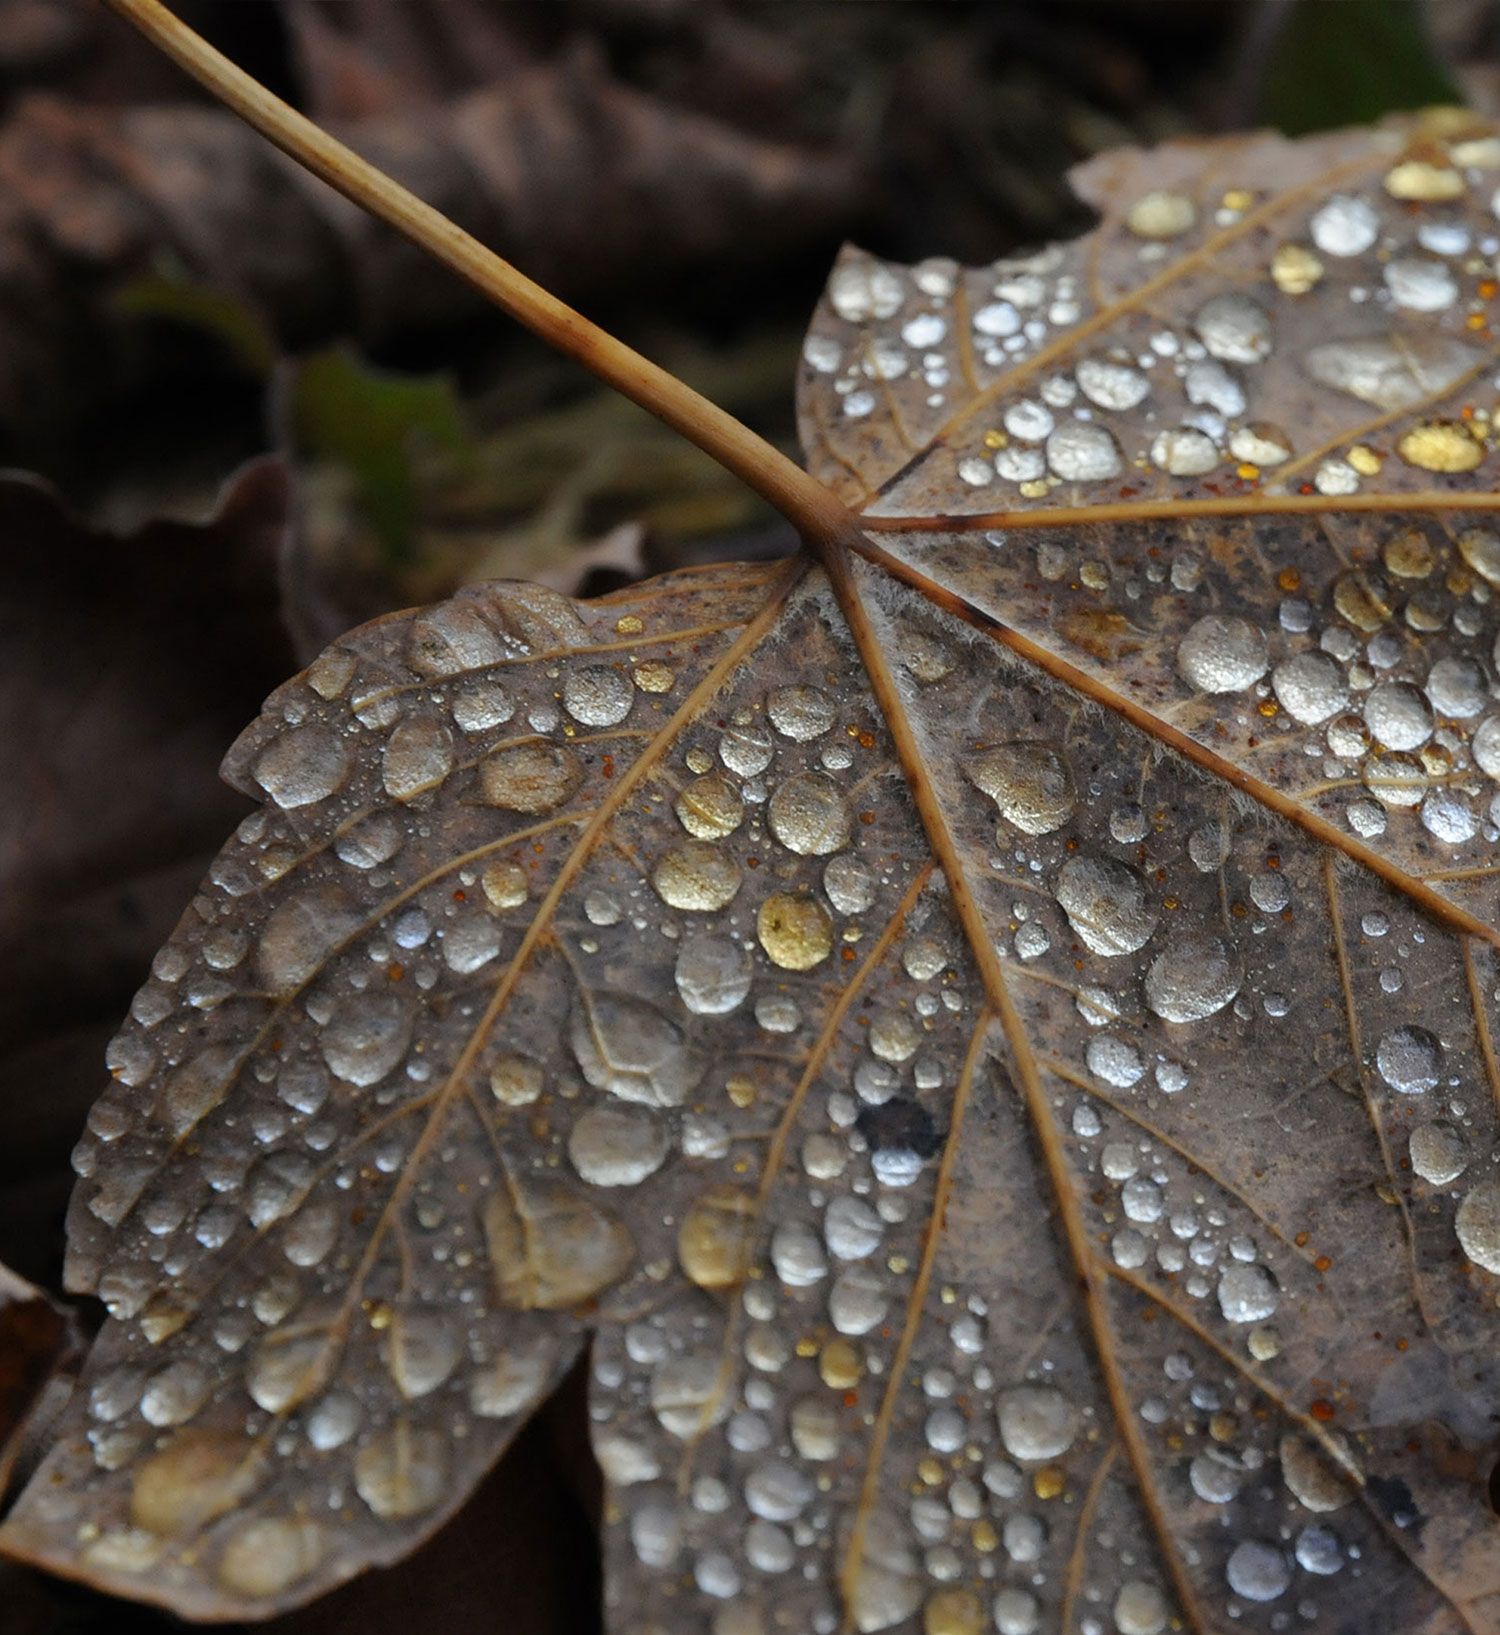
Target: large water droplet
(422, 1348)
(795, 932)
(299, 936)
(851, 886)
(697, 877)
(627, 1046)
(303, 765)
(713, 974)
(1037, 1422)
(1309, 687)
(800, 713)
(1234, 328)
(551, 1248)
(1409, 1060)
(809, 815)
(1344, 225)
(1191, 979)
(1029, 783)
(1398, 716)
(617, 1146)
(1478, 1225)
(1082, 452)
(402, 1471)
(1107, 904)
(710, 808)
(532, 778)
(1258, 1571)
(270, 1554)
(417, 758)
(1438, 1153)
(598, 695)
(1247, 1293)
(366, 1037)
(1222, 654)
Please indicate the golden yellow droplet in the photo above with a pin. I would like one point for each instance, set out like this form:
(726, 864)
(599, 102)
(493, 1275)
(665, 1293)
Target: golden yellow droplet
(1364, 460)
(795, 932)
(1408, 555)
(127, 1550)
(840, 1366)
(163, 1317)
(270, 1555)
(1440, 445)
(953, 1612)
(550, 1247)
(740, 1090)
(1224, 1428)
(986, 1539)
(930, 1470)
(1424, 181)
(697, 877)
(533, 778)
(716, 1237)
(1480, 549)
(710, 807)
(1479, 153)
(628, 625)
(504, 884)
(1264, 1343)
(1363, 600)
(516, 1081)
(198, 1477)
(654, 677)
(1295, 269)
(1161, 215)
(1238, 198)
(1048, 1482)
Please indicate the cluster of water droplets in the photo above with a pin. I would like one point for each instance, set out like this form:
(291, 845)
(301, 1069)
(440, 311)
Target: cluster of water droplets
(1402, 268)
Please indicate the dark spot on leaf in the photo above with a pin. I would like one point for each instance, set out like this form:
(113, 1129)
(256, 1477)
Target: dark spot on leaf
(1395, 1500)
(899, 1125)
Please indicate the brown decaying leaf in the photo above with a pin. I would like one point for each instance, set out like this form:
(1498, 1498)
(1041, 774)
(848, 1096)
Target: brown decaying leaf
(39, 1344)
(557, 154)
(166, 637)
(997, 1049)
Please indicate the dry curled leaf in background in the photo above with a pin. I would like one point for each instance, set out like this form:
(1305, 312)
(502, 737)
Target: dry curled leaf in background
(994, 1043)
(121, 680)
(39, 1343)
(555, 153)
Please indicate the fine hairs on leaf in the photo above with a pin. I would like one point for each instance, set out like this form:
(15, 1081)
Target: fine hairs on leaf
(985, 1031)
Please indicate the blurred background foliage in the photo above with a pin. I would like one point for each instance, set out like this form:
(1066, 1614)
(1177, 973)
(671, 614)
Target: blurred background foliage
(241, 417)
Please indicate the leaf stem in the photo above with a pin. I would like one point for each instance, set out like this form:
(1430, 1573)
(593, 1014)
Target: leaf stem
(822, 519)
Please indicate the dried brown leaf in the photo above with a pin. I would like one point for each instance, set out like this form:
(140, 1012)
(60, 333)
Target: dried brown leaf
(1019, 1131)
(127, 661)
(561, 155)
(39, 1344)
